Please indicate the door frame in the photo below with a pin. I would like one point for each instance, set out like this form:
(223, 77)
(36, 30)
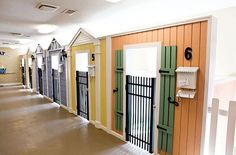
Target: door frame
(59, 86)
(157, 97)
(89, 84)
(37, 56)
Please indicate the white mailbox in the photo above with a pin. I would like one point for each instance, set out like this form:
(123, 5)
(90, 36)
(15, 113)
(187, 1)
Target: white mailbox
(91, 70)
(187, 77)
(187, 81)
(43, 67)
(60, 68)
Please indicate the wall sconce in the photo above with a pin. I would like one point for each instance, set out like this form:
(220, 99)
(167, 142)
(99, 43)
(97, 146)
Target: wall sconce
(63, 55)
(32, 57)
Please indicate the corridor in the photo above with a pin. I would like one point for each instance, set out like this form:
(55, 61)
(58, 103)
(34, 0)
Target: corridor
(31, 125)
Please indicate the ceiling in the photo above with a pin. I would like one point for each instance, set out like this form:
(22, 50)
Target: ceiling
(98, 17)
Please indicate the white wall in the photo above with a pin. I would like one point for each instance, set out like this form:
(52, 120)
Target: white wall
(226, 42)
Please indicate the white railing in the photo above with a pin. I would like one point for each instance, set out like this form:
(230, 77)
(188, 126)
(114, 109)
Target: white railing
(230, 133)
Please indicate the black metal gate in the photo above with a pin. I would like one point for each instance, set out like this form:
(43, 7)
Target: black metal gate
(30, 77)
(40, 80)
(139, 111)
(55, 85)
(23, 75)
(82, 94)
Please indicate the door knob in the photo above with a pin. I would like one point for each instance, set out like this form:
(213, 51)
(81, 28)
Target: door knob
(115, 90)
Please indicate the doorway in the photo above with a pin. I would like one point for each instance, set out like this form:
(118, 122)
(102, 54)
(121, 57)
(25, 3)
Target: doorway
(40, 79)
(55, 78)
(30, 73)
(82, 84)
(141, 94)
(23, 71)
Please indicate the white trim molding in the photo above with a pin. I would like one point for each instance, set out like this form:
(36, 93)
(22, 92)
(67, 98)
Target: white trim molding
(108, 81)
(209, 75)
(97, 81)
(157, 87)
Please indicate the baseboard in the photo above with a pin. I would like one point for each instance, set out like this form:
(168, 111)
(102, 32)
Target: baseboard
(98, 125)
(72, 111)
(46, 97)
(117, 135)
(64, 107)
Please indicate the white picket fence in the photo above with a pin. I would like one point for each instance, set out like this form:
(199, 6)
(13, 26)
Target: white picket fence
(230, 135)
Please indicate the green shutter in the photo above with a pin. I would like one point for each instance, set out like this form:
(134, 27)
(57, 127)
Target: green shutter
(167, 89)
(119, 90)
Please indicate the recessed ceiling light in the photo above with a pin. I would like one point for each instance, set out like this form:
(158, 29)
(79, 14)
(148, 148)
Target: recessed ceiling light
(24, 41)
(113, 1)
(46, 28)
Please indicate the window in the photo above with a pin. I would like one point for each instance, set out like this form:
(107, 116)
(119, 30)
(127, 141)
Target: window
(141, 61)
(39, 61)
(82, 62)
(55, 62)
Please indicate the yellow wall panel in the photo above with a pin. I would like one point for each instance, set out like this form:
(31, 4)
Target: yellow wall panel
(103, 81)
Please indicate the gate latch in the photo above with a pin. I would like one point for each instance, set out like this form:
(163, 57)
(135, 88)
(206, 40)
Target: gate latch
(115, 90)
(173, 102)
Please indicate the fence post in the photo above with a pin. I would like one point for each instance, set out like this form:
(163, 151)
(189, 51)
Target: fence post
(231, 128)
(213, 126)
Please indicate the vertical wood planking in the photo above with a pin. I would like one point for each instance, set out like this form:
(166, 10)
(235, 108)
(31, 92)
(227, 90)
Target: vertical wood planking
(188, 116)
(201, 83)
(144, 37)
(149, 36)
(166, 39)
(180, 60)
(193, 102)
(185, 102)
(187, 41)
(154, 35)
(139, 37)
(173, 42)
(160, 36)
(173, 36)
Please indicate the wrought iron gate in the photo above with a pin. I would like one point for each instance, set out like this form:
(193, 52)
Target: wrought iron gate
(82, 94)
(30, 77)
(40, 80)
(56, 88)
(139, 111)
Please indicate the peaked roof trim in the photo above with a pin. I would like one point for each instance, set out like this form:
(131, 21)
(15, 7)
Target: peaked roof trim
(54, 41)
(39, 49)
(81, 30)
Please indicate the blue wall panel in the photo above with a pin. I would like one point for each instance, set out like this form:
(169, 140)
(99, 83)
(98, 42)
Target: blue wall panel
(63, 83)
(44, 78)
(50, 85)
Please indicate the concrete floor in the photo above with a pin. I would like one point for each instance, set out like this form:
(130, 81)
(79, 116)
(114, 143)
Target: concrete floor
(31, 125)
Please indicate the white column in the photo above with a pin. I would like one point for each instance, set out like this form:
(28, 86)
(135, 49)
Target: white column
(34, 63)
(69, 83)
(27, 71)
(108, 80)
(97, 83)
